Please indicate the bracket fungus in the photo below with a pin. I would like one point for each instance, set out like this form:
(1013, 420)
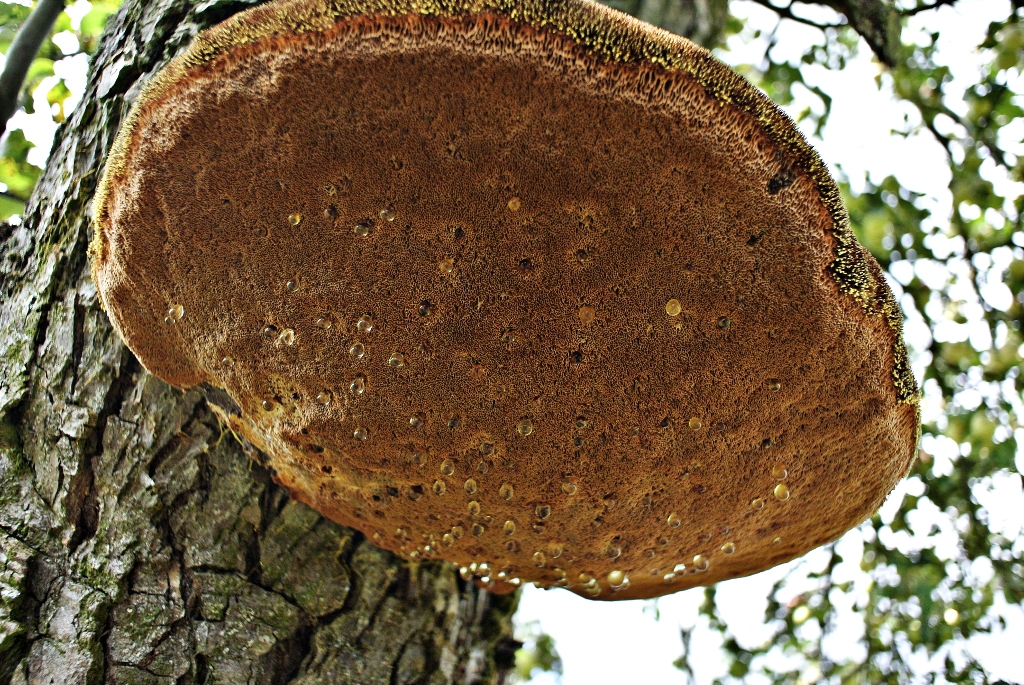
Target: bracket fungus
(531, 287)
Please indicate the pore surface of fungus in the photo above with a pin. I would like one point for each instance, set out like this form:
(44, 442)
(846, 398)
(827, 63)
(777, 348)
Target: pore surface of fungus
(531, 287)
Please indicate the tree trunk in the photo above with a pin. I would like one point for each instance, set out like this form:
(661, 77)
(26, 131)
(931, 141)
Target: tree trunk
(139, 543)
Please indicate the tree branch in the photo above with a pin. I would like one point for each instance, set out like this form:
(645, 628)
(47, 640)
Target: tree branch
(877, 22)
(12, 196)
(23, 50)
(787, 13)
(924, 8)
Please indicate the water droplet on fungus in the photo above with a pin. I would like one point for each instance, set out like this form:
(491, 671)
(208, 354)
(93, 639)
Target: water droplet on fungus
(473, 508)
(569, 488)
(779, 472)
(525, 427)
(292, 285)
(668, 578)
(506, 491)
(781, 492)
(447, 540)
(724, 323)
(542, 511)
(514, 204)
(757, 503)
(673, 308)
(415, 421)
(362, 230)
(358, 350)
(679, 569)
(268, 405)
(439, 487)
(294, 219)
(358, 385)
(539, 559)
(777, 541)
(700, 562)
(287, 337)
(364, 324)
(673, 521)
(587, 315)
(174, 314)
(447, 467)
(388, 214)
(324, 323)
(773, 384)
(729, 547)
(487, 448)
(457, 532)
(470, 486)
(695, 424)
(478, 529)
(446, 266)
(616, 578)
(509, 527)
(324, 397)
(397, 360)
(360, 434)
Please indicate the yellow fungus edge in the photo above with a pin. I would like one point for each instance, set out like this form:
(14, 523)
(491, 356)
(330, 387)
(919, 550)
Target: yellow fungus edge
(607, 33)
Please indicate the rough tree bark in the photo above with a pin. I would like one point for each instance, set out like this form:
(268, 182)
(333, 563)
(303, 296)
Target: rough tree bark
(139, 542)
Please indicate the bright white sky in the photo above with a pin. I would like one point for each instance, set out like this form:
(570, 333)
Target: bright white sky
(637, 641)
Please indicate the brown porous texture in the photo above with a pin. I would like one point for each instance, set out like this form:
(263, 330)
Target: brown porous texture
(531, 287)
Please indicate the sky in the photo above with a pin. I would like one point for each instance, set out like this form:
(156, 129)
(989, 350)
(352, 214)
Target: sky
(637, 641)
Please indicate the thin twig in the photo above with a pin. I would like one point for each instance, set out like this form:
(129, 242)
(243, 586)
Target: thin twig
(22, 51)
(11, 196)
(991, 146)
(787, 13)
(924, 8)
